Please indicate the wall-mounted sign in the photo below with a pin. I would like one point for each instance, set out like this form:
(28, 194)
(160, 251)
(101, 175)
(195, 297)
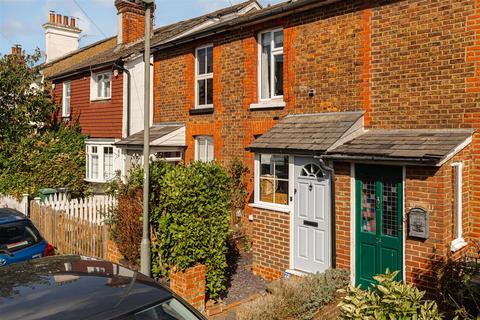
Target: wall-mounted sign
(418, 223)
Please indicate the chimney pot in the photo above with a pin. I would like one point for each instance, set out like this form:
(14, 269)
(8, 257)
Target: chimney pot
(52, 17)
(59, 18)
(65, 20)
(72, 22)
(14, 50)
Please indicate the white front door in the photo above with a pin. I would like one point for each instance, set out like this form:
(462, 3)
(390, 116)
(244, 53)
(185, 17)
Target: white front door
(312, 217)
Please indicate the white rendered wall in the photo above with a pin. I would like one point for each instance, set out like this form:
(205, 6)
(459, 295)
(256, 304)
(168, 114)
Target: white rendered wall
(60, 41)
(137, 74)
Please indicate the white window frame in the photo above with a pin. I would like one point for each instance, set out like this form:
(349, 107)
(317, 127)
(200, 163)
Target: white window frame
(205, 76)
(273, 52)
(101, 162)
(458, 242)
(94, 83)
(270, 205)
(209, 140)
(66, 114)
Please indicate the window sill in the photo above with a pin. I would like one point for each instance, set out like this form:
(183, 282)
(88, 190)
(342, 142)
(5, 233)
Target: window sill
(271, 207)
(100, 99)
(201, 110)
(457, 244)
(95, 181)
(270, 104)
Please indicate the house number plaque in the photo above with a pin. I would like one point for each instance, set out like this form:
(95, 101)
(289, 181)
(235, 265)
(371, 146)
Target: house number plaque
(418, 223)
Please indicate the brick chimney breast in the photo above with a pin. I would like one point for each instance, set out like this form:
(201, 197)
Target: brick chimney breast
(131, 20)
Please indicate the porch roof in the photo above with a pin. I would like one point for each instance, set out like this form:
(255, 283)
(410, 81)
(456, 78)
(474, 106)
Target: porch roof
(168, 135)
(429, 147)
(309, 133)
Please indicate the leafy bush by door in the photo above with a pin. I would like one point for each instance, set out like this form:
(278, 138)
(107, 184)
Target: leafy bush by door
(191, 222)
(389, 299)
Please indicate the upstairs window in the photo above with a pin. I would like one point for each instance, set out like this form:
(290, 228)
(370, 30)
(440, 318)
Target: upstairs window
(271, 64)
(101, 86)
(66, 100)
(204, 77)
(204, 148)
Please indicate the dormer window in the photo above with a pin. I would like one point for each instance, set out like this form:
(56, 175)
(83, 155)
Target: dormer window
(101, 86)
(204, 77)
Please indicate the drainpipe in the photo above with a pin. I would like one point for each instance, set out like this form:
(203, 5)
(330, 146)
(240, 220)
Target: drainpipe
(332, 206)
(119, 65)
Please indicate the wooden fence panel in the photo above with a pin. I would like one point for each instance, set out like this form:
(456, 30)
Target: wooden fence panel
(69, 233)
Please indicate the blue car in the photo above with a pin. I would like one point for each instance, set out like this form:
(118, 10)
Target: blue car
(19, 239)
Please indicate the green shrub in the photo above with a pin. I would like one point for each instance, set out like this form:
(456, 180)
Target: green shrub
(190, 221)
(53, 159)
(125, 220)
(389, 299)
(296, 297)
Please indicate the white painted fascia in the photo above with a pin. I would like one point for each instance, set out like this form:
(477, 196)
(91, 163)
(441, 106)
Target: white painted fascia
(356, 130)
(456, 150)
(164, 140)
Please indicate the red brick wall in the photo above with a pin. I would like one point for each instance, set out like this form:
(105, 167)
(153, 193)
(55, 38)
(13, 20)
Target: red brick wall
(98, 119)
(342, 214)
(190, 285)
(271, 243)
(407, 63)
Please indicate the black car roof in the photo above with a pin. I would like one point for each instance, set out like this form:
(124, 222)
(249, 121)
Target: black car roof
(74, 287)
(10, 215)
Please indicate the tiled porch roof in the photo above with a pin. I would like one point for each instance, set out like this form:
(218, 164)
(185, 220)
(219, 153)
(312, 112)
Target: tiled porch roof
(160, 135)
(341, 136)
(409, 145)
(311, 133)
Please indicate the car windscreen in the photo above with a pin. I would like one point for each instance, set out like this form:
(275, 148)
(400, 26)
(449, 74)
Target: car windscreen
(18, 235)
(171, 309)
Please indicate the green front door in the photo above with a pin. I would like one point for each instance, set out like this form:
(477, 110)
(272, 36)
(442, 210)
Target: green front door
(379, 198)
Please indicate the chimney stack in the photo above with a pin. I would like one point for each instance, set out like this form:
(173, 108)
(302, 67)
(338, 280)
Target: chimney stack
(131, 20)
(61, 37)
(16, 52)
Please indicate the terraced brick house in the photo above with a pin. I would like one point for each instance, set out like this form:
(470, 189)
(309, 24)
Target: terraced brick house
(357, 120)
(101, 86)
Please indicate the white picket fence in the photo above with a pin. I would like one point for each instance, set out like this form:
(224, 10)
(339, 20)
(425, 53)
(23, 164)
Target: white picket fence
(13, 203)
(93, 209)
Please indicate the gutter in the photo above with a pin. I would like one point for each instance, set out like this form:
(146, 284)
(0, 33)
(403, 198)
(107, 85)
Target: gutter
(80, 71)
(415, 161)
(119, 64)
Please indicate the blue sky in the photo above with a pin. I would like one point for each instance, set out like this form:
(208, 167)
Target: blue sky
(21, 20)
